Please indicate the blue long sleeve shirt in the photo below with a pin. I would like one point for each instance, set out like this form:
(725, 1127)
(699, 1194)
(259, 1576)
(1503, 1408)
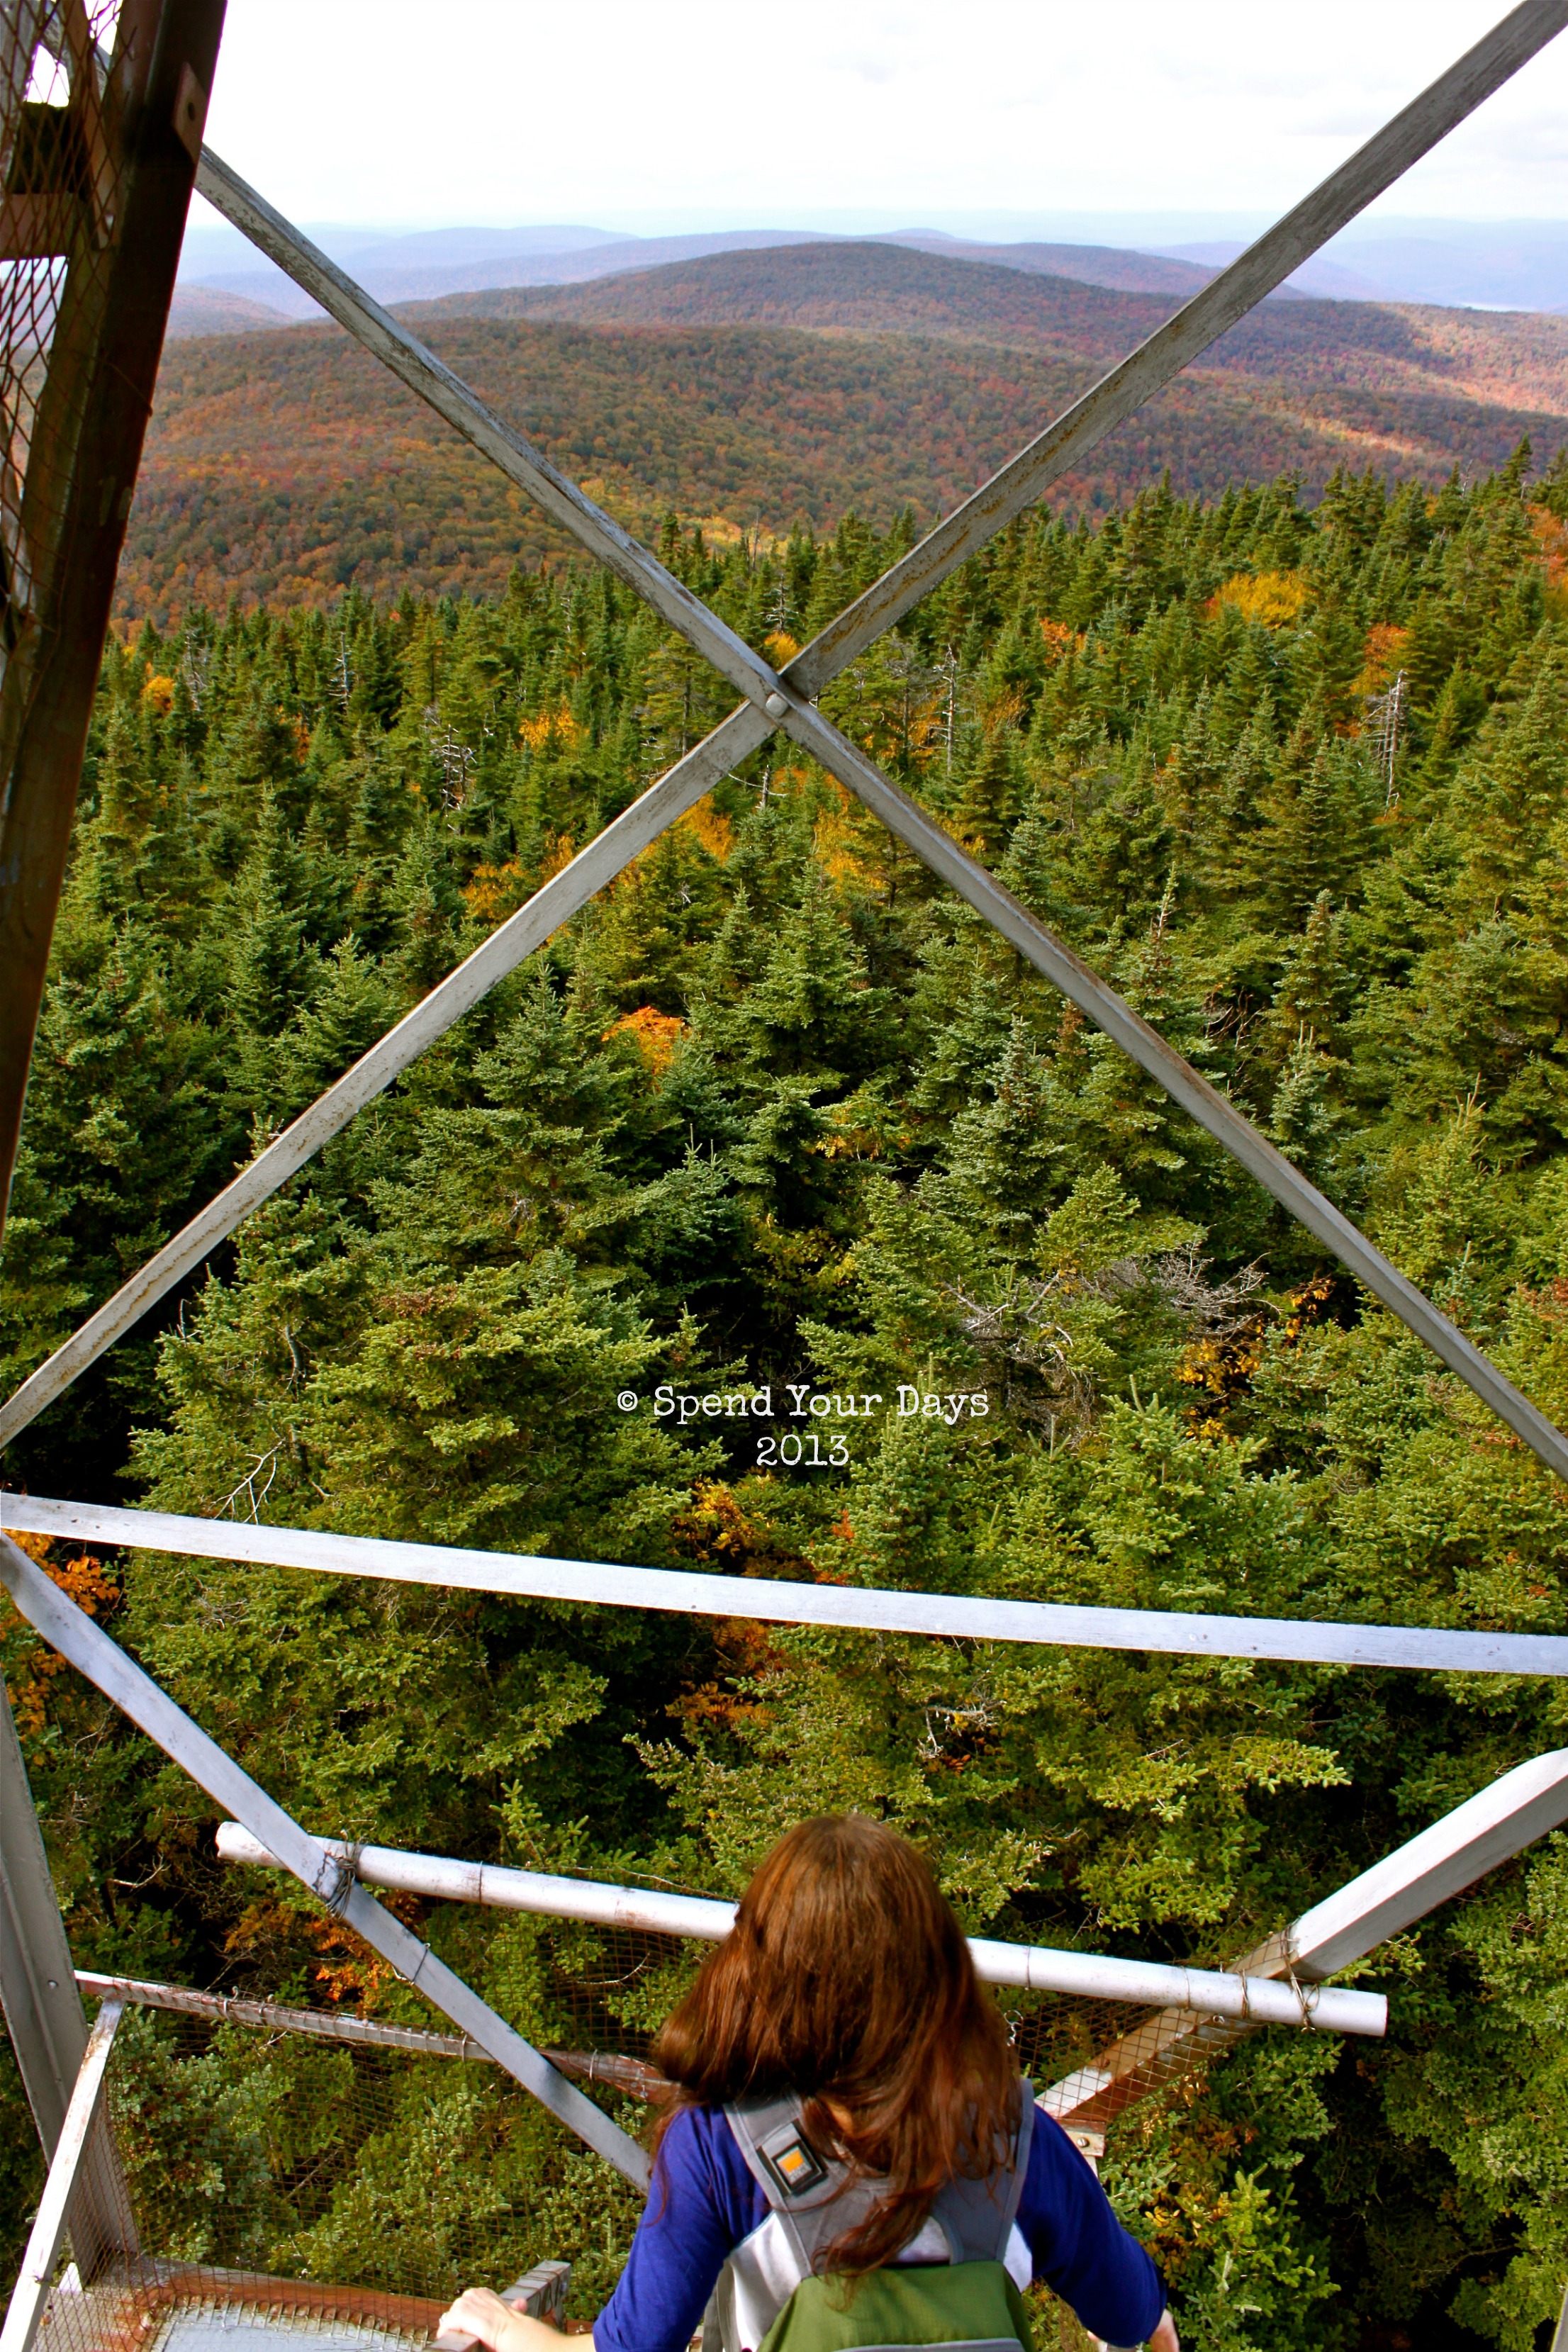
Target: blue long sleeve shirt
(704, 2201)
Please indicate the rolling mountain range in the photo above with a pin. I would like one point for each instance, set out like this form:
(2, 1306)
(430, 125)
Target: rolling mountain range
(780, 385)
(421, 268)
(1490, 265)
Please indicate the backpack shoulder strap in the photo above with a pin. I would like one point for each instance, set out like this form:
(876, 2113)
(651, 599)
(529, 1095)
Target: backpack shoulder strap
(793, 2175)
(814, 2195)
(976, 2217)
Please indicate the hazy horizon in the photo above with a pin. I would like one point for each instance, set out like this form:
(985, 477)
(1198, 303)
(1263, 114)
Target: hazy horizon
(892, 113)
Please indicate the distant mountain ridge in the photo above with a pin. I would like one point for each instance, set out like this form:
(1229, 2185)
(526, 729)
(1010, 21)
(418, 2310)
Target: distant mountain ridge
(787, 385)
(395, 272)
(877, 289)
(1522, 264)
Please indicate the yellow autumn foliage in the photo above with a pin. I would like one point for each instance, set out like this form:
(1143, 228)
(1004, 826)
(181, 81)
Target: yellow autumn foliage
(1273, 599)
(547, 729)
(494, 892)
(711, 827)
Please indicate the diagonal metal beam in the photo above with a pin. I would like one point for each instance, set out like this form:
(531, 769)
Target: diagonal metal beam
(1417, 128)
(1412, 132)
(414, 365)
(1374, 167)
(71, 1631)
(1456, 1850)
(517, 938)
(1213, 1111)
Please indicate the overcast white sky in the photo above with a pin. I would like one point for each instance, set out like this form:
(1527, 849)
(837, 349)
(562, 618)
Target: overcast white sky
(658, 115)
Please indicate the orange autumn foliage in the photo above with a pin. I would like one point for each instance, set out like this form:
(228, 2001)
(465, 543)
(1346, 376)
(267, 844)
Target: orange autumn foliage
(1383, 657)
(83, 1579)
(1060, 639)
(655, 1034)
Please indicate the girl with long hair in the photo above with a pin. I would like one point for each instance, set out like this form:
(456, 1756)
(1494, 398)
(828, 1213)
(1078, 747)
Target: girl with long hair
(847, 2156)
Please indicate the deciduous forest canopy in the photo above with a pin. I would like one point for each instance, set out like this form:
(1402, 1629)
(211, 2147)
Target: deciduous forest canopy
(760, 390)
(776, 1108)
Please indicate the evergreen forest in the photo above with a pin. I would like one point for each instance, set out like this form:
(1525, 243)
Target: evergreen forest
(776, 1110)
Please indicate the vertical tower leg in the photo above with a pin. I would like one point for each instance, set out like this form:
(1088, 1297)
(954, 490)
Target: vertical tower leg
(45, 2018)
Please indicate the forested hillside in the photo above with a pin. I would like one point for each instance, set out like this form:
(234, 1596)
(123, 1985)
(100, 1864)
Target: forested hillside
(758, 391)
(776, 1110)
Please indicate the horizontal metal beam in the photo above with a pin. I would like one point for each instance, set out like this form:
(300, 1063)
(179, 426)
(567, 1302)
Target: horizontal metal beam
(769, 1600)
(77, 2135)
(234, 2009)
(89, 1648)
(507, 947)
(1034, 1967)
(1221, 304)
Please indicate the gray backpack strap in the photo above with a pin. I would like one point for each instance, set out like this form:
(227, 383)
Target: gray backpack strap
(770, 2134)
(976, 2217)
(816, 2199)
(813, 2194)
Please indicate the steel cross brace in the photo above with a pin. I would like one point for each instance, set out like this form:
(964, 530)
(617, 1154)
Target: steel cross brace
(73, 1634)
(783, 698)
(1441, 1862)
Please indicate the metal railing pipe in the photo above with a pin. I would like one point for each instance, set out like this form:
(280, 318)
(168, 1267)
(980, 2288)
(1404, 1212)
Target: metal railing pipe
(1087, 1976)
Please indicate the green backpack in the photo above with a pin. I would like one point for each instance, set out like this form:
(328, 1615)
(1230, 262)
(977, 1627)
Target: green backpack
(951, 2289)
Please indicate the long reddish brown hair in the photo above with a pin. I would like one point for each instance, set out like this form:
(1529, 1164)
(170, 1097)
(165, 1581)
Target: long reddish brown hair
(847, 1978)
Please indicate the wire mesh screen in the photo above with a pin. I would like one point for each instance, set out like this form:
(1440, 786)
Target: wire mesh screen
(1089, 2060)
(277, 2178)
(57, 175)
(254, 2169)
